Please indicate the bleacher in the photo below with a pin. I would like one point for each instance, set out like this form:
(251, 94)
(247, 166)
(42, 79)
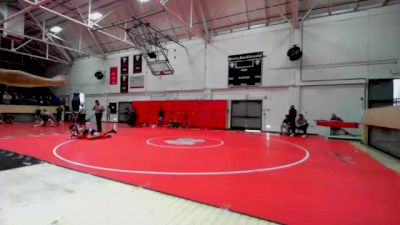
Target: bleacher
(24, 103)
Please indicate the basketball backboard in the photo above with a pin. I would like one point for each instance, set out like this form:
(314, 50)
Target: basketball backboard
(159, 68)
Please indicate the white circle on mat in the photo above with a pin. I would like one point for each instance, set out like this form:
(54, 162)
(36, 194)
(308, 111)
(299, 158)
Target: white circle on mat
(183, 173)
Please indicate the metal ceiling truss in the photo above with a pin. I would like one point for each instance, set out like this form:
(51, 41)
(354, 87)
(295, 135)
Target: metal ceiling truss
(83, 24)
(33, 6)
(47, 44)
(48, 57)
(90, 32)
(184, 24)
(114, 24)
(46, 34)
(294, 5)
(229, 17)
(47, 39)
(247, 14)
(305, 17)
(204, 20)
(266, 12)
(172, 27)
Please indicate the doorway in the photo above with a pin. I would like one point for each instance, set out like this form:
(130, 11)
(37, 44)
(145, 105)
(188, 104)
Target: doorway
(122, 114)
(246, 115)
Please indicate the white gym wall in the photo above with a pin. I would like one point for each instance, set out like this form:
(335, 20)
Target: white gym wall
(360, 45)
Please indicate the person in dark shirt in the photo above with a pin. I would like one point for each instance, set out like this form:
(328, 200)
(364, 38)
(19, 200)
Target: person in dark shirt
(285, 126)
(292, 119)
(59, 113)
(335, 130)
(302, 124)
(132, 118)
(127, 112)
(336, 118)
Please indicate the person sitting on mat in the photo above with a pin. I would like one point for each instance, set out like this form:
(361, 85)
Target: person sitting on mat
(6, 118)
(90, 134)
(285, 126)
(301, 124)
(45, 117)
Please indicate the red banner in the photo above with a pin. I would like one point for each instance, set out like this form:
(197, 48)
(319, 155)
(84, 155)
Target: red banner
(113, 75)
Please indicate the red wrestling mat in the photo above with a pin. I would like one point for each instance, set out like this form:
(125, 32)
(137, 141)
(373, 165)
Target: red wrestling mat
(283, 179)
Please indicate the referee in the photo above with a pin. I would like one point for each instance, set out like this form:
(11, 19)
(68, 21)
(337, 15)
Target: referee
(98, 110)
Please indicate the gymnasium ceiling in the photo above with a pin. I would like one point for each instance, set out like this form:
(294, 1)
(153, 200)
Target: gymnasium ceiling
(179, 19)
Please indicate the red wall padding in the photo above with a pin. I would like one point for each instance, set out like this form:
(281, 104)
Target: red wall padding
(192, 113)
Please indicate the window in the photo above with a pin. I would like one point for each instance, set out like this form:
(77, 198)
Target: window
(82, 98)
(396, 92)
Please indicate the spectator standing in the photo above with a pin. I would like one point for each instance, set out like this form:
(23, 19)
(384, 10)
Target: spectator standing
(7, 98)
(82, 116)
(108, 113)
(59, 113)
(292, 119)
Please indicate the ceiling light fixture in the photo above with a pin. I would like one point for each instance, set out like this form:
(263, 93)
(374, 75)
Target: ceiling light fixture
(56, 29)
(95, 16)
(143, 1)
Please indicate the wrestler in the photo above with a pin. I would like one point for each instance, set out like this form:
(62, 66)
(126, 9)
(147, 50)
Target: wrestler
(90, 134)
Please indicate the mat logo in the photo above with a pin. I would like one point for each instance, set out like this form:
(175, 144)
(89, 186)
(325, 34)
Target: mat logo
(185, 141)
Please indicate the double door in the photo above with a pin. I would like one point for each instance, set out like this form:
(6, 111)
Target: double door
(246, 115)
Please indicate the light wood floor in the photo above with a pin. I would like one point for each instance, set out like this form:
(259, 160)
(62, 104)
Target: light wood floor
(45, 194)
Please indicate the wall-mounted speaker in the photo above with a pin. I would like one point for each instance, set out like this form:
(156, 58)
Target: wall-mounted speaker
(99, 75)
(294, 53)
(152, 55)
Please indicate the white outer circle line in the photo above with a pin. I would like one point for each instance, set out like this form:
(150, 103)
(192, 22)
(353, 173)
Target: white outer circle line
(184, 173)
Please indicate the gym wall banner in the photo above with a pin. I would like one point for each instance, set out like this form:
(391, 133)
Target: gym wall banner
(125, 65)
(245, 69)
(124, 74)
(136, 81)
(124, 83)
(113, 75)
(137, 63)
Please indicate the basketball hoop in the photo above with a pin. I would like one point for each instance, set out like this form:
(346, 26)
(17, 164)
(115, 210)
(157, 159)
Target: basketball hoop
(160, 68)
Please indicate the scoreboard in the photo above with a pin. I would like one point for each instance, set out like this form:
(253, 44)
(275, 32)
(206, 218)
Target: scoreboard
(245, 69)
